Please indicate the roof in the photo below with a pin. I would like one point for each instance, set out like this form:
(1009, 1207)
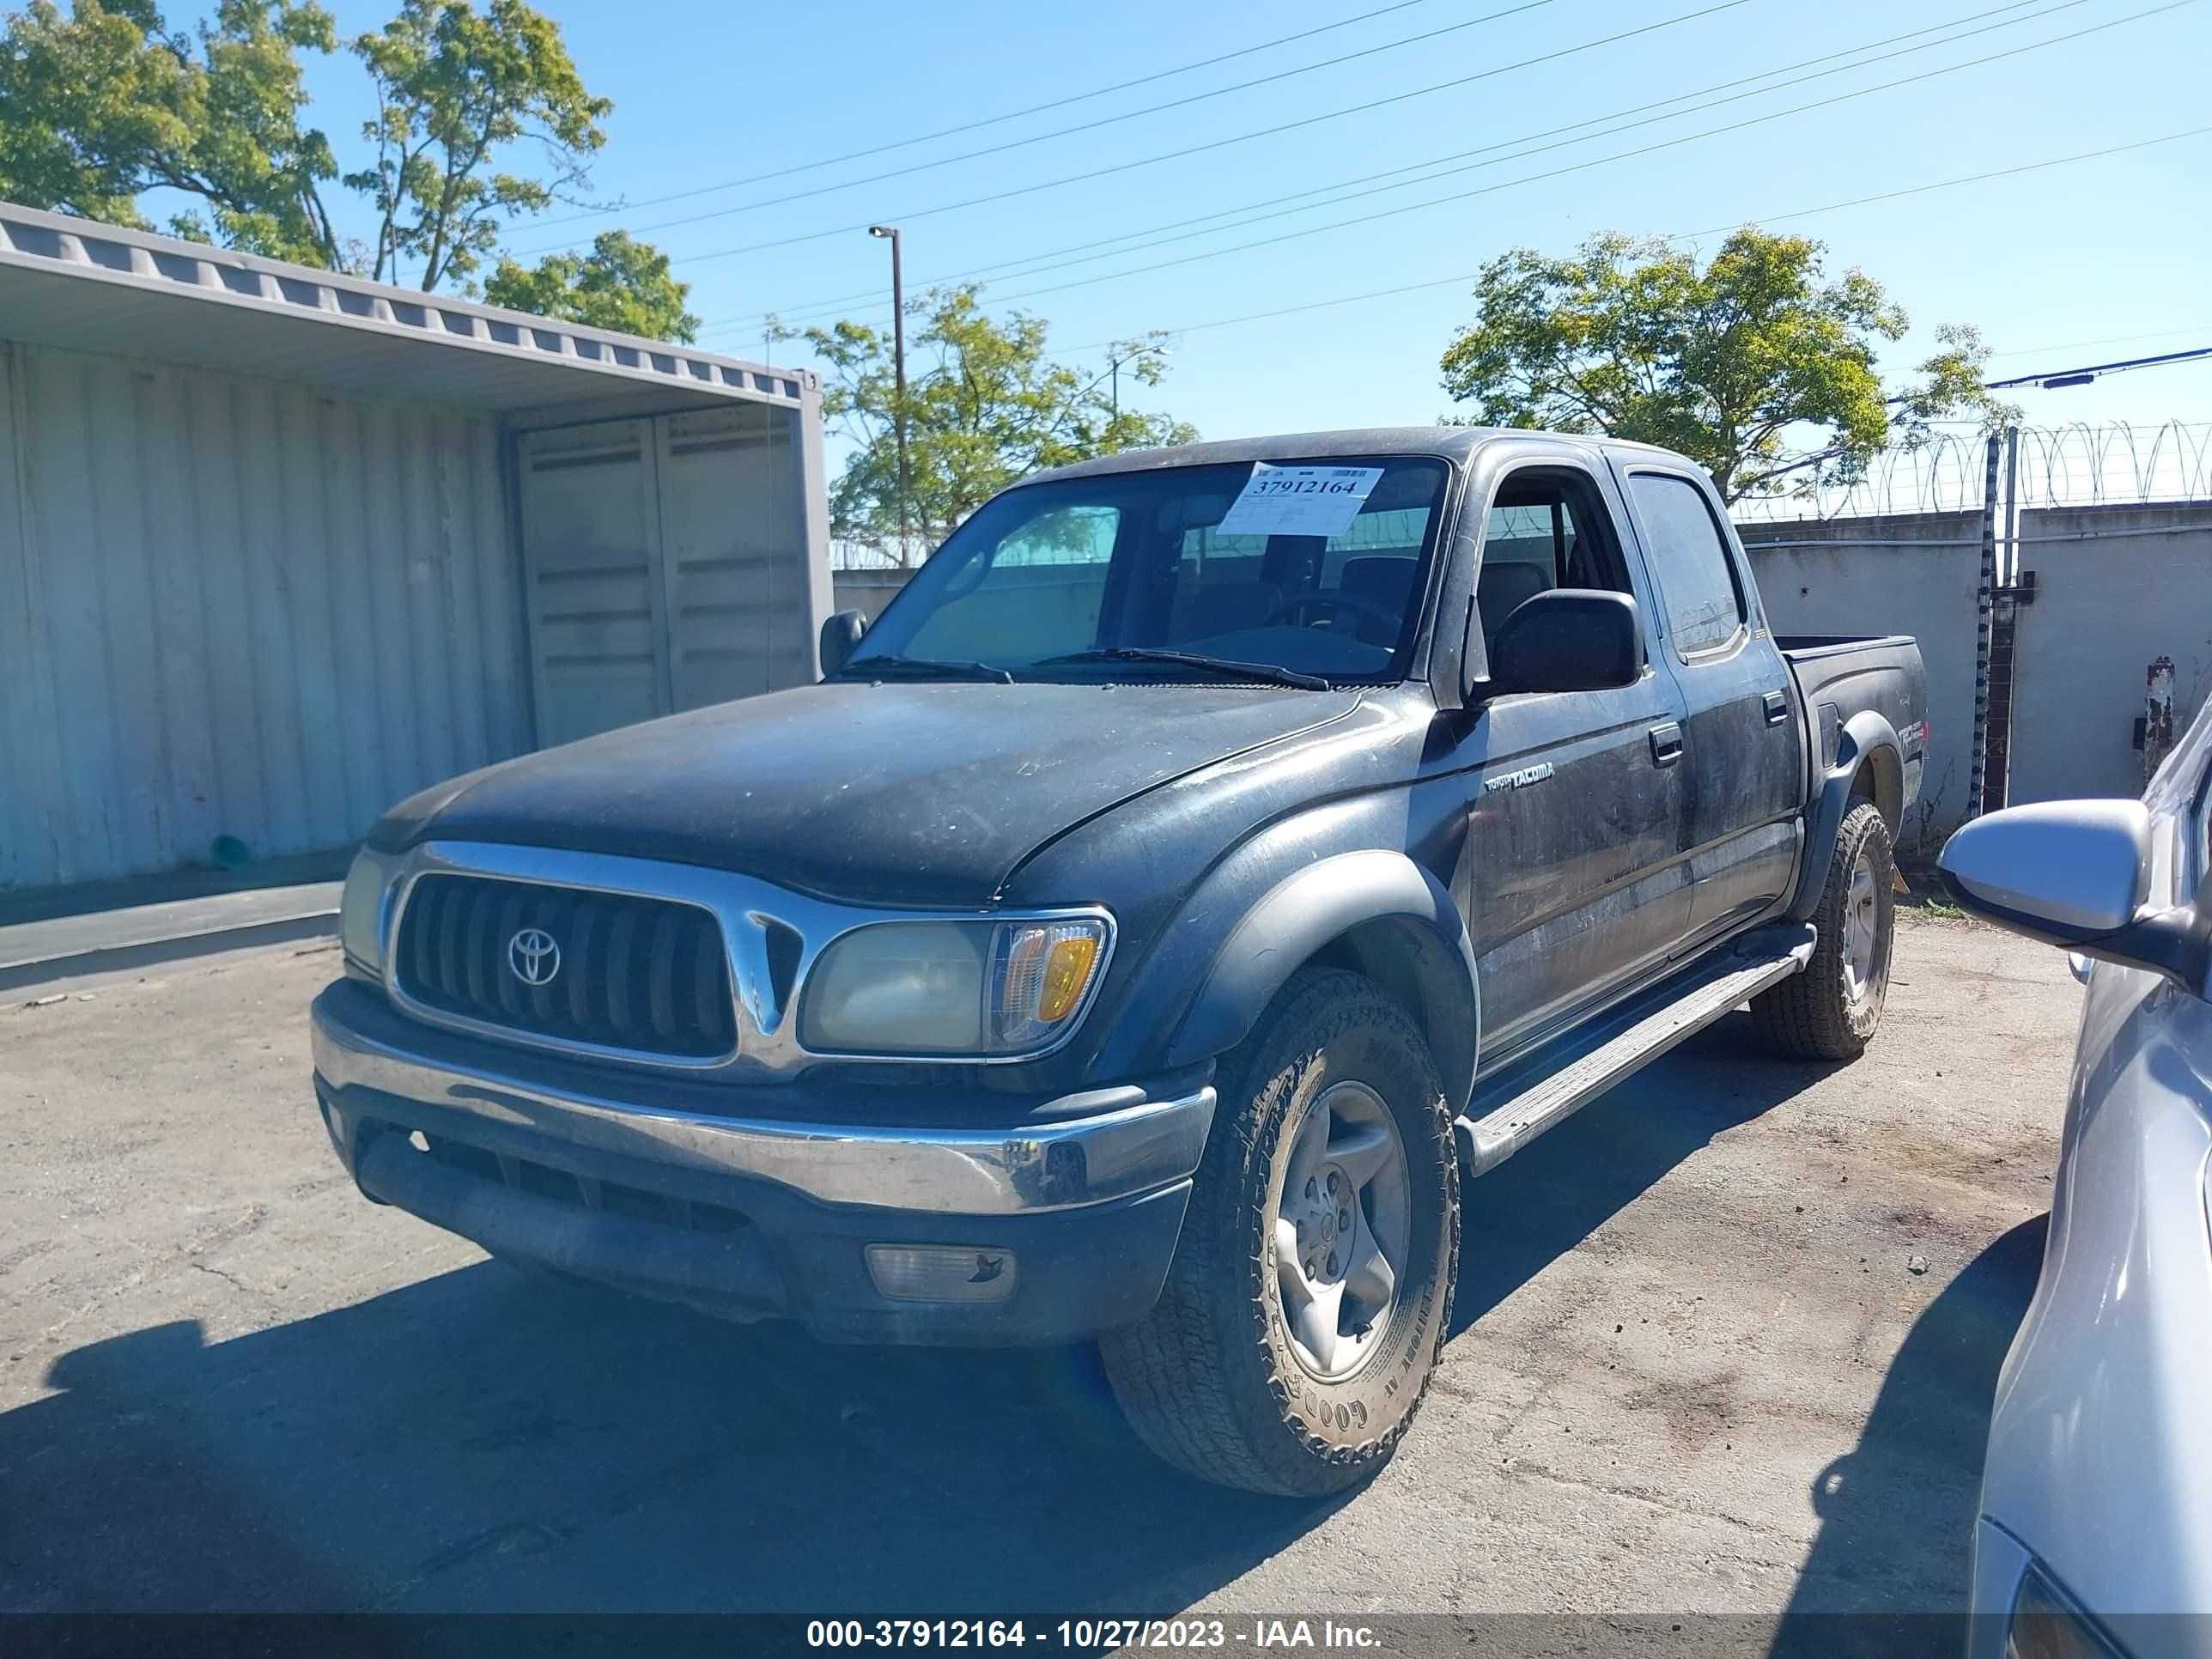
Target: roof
(89, 286)
(1450, 443)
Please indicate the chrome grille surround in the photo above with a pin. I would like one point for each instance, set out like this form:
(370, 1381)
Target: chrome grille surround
(772, 938)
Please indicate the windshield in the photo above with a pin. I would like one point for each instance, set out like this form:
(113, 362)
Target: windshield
(1303, 568)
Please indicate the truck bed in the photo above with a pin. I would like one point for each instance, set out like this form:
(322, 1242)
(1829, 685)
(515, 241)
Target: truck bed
(1803, 646)
(1838, 675)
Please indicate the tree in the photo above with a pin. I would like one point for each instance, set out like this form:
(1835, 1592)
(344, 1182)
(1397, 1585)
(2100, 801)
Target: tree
(1755, 366)
(620, 284)
(454, 87)
(108, 102)
(983, 407)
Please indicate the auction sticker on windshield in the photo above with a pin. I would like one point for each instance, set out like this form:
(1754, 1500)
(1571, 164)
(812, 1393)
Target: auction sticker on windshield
(1299, 500)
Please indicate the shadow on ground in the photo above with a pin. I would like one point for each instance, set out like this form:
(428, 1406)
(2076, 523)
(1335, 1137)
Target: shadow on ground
(1546, 1199)
(1905, 1496)
(484, 1441)
(1896, 1514)
(481, 1440)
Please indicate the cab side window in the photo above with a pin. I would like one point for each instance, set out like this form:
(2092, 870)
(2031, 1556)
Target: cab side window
(1547, 529)
(1696, 580)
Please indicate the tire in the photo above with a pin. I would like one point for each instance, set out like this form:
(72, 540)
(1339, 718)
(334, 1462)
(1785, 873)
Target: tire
(1215, 1378)
(1831, 1011)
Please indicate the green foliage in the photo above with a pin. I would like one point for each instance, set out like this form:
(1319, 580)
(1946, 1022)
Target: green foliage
(620, 284)
(1754, 365)
(109, 101)
(453, 87)
(984, 406)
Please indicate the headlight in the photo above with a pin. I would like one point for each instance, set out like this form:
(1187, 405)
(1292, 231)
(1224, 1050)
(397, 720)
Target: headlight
(361, 908)
(2046, 1625)
(983, 989)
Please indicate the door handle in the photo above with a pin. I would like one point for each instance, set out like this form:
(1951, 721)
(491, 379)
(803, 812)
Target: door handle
(1778, 708)
(1666, 744)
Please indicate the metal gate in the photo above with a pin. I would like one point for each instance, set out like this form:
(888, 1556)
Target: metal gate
(666, 563)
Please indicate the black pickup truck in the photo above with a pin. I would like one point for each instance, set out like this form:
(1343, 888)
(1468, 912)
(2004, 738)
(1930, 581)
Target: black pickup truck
(1210, 862)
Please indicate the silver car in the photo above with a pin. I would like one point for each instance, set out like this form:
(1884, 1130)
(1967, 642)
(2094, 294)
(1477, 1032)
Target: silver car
(2095, 1526)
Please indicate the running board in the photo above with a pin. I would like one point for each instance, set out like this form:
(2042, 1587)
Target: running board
(1519, 1108)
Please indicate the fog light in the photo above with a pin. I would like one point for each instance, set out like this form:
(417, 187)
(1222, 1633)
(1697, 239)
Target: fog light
(941, 1272)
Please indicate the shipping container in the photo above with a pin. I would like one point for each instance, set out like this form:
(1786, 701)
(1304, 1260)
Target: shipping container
(278, 547)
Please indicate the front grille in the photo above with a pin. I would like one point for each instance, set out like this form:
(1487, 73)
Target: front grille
(642, 974)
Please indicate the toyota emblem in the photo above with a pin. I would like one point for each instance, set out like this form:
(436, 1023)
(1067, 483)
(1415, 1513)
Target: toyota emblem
(533, 957)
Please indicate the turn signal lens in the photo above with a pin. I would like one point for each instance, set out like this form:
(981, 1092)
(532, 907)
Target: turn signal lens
(1044, 970)
(1067, 972)
(361, 906)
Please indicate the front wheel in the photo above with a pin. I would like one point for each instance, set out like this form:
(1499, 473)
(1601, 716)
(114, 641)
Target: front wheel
(1311, 1289)
(1831, 1010)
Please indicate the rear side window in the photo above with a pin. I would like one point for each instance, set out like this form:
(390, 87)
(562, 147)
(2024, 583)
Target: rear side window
(1696, 582)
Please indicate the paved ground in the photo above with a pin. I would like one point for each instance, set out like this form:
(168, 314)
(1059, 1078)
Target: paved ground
(1696, 1372)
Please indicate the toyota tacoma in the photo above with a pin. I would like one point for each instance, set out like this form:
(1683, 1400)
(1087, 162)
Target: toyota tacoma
(1211, 862)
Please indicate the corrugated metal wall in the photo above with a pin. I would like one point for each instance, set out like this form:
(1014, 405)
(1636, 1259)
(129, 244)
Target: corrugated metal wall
(237, 606)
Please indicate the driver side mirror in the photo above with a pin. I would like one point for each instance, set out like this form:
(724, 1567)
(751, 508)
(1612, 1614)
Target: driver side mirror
(1565, 639)
(840, 633)
(2073, 873)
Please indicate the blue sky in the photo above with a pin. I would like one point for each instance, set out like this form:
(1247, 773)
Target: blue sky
(2095, 259)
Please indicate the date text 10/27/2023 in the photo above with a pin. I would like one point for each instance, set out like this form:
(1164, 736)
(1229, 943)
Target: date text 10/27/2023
(1092, 1635)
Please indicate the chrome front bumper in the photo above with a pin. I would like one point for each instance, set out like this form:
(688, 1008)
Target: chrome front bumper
(654, 1191)
(1133, 1149)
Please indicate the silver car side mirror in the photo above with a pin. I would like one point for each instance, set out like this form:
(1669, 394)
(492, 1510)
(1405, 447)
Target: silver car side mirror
(2073, 873)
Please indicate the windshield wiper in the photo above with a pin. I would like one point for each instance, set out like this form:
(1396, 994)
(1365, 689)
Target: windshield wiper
(1266, 672)
(890, 666)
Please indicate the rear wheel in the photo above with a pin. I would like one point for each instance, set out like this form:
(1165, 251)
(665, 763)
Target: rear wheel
(1831, 1011)
(1311, 1289)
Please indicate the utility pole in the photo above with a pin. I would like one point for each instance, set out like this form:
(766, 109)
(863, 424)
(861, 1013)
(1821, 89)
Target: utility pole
(898, 373)
(1985, 612)
(1114, 369)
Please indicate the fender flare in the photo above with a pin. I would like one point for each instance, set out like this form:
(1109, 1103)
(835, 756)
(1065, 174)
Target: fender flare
(1305, 912)
(1864, 735)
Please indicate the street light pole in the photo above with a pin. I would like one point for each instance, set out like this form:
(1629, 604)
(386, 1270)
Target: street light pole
(898, 373)
(1114, 369)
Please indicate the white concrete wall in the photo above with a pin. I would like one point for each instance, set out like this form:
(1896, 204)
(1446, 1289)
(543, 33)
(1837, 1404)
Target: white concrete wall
(1917, 574)
(238, 606)
(867, 591)
(2116, 587)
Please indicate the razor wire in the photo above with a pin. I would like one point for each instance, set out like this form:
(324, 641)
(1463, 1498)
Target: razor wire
(2077, 463)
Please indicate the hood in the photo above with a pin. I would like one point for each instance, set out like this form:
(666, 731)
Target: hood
(900, 793)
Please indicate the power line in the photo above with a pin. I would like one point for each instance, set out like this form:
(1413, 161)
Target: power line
(1008, 265)
(1197, 149)
(1758, 219)
(1595, 161)
(1036, 268)
(1081, 126)
(2061, 377)
(989, 120)
(2071, 345)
